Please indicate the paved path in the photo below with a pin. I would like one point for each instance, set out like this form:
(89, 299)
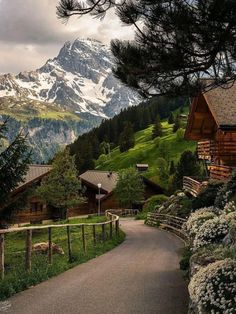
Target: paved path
(139, 276)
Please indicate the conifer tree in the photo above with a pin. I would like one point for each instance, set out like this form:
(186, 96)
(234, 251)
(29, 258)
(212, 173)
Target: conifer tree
(177, 42)
(14, 162)
(188, 165)
(171, 118)
(127, 139)
(172, 168)
(157, 128)
(176, 125)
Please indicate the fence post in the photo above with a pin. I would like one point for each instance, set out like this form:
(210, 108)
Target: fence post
(117, 227)
(111, 229)
(103, 233)
(28, 260)
(50, 245)
(94, 235)
(69, 243)
(83, 238)
(2, 256)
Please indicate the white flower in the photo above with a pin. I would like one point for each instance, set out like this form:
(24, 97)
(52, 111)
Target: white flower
(211, 231)
(197, 218)
(208, 295)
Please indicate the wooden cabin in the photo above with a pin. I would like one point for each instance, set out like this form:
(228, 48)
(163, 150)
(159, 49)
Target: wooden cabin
(142, 167)
(34, 210)
(90, 180)
(212, 123)
(108, 180)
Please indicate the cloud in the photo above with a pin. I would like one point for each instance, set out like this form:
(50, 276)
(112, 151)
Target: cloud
(30, 32)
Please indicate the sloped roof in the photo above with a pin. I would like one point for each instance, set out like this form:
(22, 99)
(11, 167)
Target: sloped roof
(34, 172)
(107, 179)
(222, 104)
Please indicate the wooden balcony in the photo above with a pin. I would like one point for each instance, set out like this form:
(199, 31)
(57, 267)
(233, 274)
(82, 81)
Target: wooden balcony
(219, 172)
(218, 151)
(193, 185)
(204, 150)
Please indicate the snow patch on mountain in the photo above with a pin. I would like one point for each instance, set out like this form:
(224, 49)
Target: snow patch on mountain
(79, 79)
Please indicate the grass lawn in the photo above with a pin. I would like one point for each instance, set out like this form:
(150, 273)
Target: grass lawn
(17, 278)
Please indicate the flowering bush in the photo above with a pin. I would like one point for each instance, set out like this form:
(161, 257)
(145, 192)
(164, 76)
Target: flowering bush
(213, 288)
(231, 216)
(211, 231)
(198, 218)
(222, 197)
(229, 208)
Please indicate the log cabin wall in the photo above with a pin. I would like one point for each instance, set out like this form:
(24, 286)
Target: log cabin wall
(201, 123)
(224, 148)
(212, 123)
(110, 202)
(35, 212)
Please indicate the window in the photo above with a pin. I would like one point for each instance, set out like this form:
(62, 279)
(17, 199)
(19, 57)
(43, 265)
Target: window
(35, 207)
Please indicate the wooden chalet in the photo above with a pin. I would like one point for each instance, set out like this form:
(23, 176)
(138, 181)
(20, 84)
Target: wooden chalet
(34, 210)
(108, 180)
(212, 123)
(142, 167)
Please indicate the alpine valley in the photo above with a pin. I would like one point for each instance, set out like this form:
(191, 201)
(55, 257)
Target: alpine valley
(66, 97)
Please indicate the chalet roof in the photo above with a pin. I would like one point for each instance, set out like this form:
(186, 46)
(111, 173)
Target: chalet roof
(222, 104)
(142, 165)
(34, 172)
(107, 179)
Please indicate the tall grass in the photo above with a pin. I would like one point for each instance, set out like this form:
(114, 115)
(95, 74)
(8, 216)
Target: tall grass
(17, 278)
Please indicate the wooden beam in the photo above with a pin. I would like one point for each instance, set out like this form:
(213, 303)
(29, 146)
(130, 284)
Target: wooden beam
(94, 235)
(28, 256)
(83, 239)
(202, 115)
(50, 245)
(69, 243)
(2, 255)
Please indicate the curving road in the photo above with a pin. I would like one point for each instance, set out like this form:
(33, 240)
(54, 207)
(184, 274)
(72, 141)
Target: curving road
(139, 276)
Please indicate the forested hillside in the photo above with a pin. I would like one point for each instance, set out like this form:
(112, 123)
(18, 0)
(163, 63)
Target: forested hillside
(161, 154)
(101, 140)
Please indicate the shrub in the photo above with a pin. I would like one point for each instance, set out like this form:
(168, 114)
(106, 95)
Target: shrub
(229, 208)
(211, 231)
(154, 201)
(226, 192)
(180, 134)
(207, 197)
(197, 219)
(212, 289)
(102, 158)
(185, 260)
(185, 209)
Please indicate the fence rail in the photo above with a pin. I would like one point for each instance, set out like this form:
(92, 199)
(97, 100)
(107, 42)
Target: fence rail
(113, 221)
(124, 212)
(169, 222)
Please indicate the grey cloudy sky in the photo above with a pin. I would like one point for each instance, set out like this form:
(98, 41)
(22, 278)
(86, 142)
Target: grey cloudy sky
(30, 32)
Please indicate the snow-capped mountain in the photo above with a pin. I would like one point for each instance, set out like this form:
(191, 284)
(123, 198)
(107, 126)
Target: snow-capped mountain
(78, 80)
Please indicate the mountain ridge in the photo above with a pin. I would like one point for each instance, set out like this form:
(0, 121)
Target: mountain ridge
(77, 89)
(79, 80)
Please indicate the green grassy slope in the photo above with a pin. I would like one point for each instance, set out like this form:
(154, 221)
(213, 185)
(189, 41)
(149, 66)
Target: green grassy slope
(147, 150)
(24, 109)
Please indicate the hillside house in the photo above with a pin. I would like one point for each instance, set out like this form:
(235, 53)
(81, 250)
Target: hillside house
(90, 181)
(34, 210)
(212, 123)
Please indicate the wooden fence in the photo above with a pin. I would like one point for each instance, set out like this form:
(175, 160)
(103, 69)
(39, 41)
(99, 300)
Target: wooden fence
(112, 223)
(124, 212)
(169, 222)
